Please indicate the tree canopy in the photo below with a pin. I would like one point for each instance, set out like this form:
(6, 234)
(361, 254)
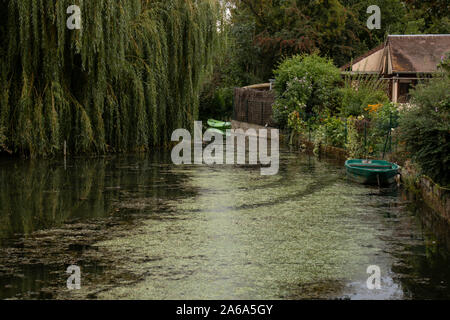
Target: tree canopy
(335, 28)
(122, 83)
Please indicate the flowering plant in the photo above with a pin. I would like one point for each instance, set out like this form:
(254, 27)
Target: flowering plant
(307, 84)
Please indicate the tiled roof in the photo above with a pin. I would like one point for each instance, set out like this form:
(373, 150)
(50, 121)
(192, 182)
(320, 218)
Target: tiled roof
(418, 54)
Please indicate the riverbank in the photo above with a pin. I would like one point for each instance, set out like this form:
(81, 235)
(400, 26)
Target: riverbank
(435, 196)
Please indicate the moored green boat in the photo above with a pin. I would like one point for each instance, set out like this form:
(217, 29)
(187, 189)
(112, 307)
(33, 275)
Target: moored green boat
(221, 125)
(376, 172)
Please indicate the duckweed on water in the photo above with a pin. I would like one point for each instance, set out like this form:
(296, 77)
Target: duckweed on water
(156, 231)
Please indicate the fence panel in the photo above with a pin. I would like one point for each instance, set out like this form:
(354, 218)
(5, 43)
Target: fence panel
(253, 106)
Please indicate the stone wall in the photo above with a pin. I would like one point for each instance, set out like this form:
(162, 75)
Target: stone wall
(435, 196)
(324, 150)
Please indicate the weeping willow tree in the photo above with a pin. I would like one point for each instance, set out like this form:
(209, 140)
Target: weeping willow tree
(123, 82)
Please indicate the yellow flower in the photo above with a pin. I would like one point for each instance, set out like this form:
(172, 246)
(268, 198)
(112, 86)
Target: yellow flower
(373, 107)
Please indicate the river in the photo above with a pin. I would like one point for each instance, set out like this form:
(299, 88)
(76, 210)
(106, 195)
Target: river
(140, 227)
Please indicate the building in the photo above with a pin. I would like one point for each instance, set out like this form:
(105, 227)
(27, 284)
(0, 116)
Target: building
(402, 60)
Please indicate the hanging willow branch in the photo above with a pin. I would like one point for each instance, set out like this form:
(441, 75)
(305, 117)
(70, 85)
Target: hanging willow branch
(123, 82)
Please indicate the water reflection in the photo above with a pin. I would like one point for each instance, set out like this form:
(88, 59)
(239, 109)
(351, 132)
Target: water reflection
(44, 194)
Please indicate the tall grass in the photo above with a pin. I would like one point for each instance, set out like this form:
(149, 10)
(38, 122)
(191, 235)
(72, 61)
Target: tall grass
(360, 91)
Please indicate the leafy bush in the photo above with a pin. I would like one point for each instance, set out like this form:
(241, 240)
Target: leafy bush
(331, 131)
(445, 63)
(386, 115)
(306, 84)
(358, 140)
(381, 119)
(356, 98)
(297, 123)
(425, 128)
(216, 102)
(368, 135)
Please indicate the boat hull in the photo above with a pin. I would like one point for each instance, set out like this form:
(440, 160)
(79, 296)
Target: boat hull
(372, 173)
(221, 125)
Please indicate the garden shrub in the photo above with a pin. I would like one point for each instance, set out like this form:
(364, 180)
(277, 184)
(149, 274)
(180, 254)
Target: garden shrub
(356, 98)
(216, 102)
(445, 64)
(307, 84)
(368, 136)
(384, 119)
(356, 145)
(331, 131)
(425, 128)
(297, 123)
(335, 130)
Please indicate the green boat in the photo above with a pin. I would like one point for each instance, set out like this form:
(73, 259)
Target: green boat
(375, 172)
(221, 125)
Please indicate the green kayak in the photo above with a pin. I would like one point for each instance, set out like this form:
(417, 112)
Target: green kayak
(222, 125)
(375, 172)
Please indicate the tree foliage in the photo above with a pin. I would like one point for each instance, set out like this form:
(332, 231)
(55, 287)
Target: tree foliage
(306, 84)
(276, 29)
(425, 128)
(123, 82)
(284, 28)
(217, 94)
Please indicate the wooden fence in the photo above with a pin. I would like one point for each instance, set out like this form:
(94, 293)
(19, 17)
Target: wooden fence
(253, 106)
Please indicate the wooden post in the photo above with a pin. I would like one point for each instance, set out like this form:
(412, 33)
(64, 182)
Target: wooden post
(365, 139)
(234, 104)
(262, 113)
(246, 112)
(395, 83)
(65, 155)
(346, 133)
(390, 132)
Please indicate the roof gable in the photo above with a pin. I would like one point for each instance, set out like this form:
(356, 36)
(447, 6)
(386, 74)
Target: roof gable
(364, 56)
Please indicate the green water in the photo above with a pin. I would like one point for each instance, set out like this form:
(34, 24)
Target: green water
(142, 228)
